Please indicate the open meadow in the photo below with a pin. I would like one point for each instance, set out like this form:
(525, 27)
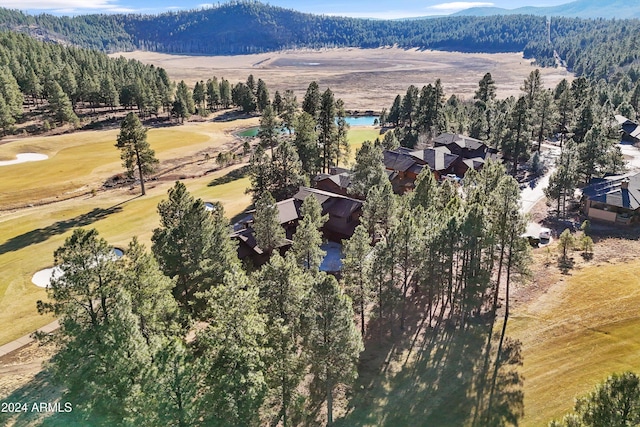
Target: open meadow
(366, 79)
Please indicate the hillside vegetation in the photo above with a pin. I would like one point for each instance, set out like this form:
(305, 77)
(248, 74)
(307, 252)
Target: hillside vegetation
(242, 27)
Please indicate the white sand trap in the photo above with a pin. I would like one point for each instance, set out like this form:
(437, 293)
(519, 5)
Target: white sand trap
(43, 278)
(23, 158)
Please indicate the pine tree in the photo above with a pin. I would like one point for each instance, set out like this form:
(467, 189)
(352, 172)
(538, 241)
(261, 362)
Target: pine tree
(150, 291)
(260, 173)
(311, 102)
(327, 128)
(287, 174)
(192, 246)
(266, 225)
(355, 271)
(269, 129)
(262, 96)
(306, 143)
(135, 150)
(213, 94)
(232, 353)
(308, 237)
(288, 111)
(368, 170)
(284, 291)
(334, 342)
(60, 105)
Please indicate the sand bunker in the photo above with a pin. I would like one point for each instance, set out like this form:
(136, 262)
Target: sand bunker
(43, 278)
(23, 158)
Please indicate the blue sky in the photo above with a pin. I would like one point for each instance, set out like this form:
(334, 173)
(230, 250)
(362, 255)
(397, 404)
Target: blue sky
(355, 8)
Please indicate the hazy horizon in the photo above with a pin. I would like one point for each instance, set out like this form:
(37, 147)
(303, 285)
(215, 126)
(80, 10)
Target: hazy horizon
(355, 8)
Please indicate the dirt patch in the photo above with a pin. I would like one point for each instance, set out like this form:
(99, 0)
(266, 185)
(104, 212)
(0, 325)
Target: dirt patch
(366, 79)
(21, 366)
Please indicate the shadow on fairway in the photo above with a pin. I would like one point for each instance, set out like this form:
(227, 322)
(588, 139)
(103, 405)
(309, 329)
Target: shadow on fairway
(40, 235)
(451, 378)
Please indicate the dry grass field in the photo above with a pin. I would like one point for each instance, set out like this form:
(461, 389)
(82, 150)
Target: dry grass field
(366, 79)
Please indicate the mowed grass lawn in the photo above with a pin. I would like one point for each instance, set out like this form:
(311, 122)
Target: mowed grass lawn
(577, 334)
(357, 135)
(29, 236)
(81, 161)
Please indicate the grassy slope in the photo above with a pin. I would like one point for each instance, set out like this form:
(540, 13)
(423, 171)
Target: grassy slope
(574, 336)
(29, 236)
(583, 329)
(83, 160)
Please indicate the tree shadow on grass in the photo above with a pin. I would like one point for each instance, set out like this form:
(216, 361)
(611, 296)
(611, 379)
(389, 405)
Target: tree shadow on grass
(443, 381)
(234, 175)
(40, 235)
(39, 390)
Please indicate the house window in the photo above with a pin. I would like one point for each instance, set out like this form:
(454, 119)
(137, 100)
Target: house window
(349, 219)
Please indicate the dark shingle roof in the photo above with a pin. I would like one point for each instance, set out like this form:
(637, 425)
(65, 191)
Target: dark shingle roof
(609, 191)
(437, 160)
(333, 204)
(398, 161)
(461, 141)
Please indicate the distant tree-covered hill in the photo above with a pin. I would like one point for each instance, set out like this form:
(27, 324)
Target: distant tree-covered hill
(593, 48)
(577, 9)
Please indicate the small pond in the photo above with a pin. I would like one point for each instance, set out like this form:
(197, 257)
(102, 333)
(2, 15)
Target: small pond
(361, 120)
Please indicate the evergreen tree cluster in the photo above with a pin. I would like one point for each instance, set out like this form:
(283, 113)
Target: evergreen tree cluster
(182, 335)
(33, 72)
(593, 48)
(319, 143)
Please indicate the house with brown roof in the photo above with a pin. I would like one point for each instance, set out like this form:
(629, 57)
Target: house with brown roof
(338, 183)
(343, 212)
(343, 217)
(630, 130)
(473, 152)
(614, 199)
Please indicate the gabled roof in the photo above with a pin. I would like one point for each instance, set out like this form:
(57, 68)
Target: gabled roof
(398, 161)
(609, 190)
(342, 180)
(461, 141)
(288, 210)
(334, 204)
(437, 159)
(248, 238)
(629, 127)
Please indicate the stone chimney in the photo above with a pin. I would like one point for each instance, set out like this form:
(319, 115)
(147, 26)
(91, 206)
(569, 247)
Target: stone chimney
(624, 185)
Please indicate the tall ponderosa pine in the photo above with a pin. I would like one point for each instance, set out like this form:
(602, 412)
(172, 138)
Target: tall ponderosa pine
(306, 142)
(284, 291)
(136, 153)
(355, 271)
(192, 246)
(266, 224)
(103, 358)
(232, 353)
(334, 342)
(368, 170)
(288, 111)
(308, 237)
(269, 130)
(327, 128)
(287, 174)
(311, 101)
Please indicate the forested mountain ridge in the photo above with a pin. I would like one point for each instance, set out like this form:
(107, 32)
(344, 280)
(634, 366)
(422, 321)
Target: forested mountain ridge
(586, 9)
(249, 27)
(243, 27)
